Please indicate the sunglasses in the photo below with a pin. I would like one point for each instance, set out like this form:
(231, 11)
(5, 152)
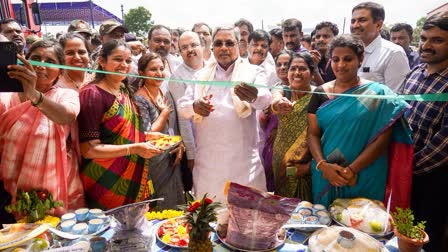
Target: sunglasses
(227, 43)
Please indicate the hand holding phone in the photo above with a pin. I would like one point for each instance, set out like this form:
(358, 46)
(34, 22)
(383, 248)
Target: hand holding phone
(8, 52)
(26, 75)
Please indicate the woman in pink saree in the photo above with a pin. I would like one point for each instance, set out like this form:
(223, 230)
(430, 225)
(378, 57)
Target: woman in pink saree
(37, 146)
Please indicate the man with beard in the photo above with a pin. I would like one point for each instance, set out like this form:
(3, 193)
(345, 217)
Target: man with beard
(13, 32)
(205, 34)
(292, 35)
(225, 119)
(191, 49)
(276, 42)
(159, 41)
(429, 121)
(401, 34)
(384, 61)
(259, 42)
(325, 32)
(246, 28)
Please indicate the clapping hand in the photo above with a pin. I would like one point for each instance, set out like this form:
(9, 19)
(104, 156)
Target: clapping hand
(246, 92)
(203, 106)
(284, 106)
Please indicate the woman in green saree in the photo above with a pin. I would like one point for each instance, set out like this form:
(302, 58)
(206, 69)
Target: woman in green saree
(291, 157)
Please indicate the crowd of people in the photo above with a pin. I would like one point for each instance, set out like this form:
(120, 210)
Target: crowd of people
(84, 136)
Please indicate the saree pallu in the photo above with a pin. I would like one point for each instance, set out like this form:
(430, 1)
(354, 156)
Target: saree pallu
(348, 126)
(113, 182)
(35, 153)
(291, 149)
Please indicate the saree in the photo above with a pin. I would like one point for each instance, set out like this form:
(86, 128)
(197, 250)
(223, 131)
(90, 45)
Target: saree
(37, 153)
(348, 126)
(113, 182)
(167, 178)
(291, 149)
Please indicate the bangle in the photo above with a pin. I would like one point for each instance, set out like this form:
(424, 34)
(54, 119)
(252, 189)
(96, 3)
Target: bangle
(319, 163)
(273, 109)
(351, 169)
(39, 101)
(128, 151)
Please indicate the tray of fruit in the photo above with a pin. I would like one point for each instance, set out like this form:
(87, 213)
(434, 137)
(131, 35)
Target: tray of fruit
(166, 142)
(368, 216)
(174, 233)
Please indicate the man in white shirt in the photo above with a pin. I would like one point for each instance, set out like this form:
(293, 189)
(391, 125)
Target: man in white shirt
(191, 50)
(225, 119)
(159, 41)
(205, 34)
(383, 61)
(259, 42)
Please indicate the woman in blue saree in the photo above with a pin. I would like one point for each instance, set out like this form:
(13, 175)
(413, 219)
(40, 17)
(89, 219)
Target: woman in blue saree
(357, 143)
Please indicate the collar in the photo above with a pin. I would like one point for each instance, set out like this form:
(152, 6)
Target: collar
(373, 45)
(229, 69)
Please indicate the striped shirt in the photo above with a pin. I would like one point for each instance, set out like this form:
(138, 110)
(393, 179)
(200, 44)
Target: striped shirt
(428, 120)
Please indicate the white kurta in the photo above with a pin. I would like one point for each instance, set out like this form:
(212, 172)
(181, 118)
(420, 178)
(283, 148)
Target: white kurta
(226, 145)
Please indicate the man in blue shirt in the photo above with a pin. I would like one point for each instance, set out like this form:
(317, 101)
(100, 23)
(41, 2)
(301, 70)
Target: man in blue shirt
(401, 34)
(429, 123)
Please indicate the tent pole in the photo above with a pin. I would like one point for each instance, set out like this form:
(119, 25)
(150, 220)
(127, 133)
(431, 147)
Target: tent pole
(91, 14)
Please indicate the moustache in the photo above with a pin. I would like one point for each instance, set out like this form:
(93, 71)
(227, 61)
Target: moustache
(290, 44)
(427, 51)
(321, 44)
(191, 54)
(258, 52)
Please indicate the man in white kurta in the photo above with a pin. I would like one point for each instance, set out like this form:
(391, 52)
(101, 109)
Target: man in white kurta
(191, 51)
(225, 120)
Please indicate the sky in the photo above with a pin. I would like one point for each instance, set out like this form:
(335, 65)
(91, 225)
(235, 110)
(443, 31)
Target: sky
(264, 13)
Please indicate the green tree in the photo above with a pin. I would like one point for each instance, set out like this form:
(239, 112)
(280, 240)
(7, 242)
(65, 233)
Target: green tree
(417, 31)
(138, 20)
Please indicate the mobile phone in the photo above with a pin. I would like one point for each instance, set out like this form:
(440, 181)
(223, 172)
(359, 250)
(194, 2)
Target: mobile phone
(8, 52)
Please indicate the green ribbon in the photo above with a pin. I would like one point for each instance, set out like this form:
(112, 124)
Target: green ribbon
(443, 97)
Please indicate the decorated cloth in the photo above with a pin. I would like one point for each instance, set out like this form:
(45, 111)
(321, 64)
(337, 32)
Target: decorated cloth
(348, 126)
(239, 73)
(37, 153)
(112, 182)
(290, 149)
(166, 177)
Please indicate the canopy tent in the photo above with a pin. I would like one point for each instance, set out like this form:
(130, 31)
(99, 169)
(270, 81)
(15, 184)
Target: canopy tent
(62, 13)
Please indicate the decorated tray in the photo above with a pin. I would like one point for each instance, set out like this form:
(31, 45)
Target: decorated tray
(166, 142)
(174, 233)
(309, 217)
(281, 236)
(368, 216)
(19, 233)
(82, 222)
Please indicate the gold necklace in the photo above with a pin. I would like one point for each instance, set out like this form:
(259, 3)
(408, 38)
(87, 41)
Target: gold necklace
(151, 98)
(116, 93)
(71, 80)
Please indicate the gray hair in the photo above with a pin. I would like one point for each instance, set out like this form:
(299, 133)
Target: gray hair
(219, 28)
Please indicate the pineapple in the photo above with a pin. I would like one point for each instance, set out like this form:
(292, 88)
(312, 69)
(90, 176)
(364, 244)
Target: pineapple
(199, 214)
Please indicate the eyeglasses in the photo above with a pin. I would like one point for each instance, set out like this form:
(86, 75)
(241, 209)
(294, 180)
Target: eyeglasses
(185, 47)
(227, 43)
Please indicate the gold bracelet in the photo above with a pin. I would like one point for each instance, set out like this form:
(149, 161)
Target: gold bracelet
(128, 151)
(320, 162)
(273, 110)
